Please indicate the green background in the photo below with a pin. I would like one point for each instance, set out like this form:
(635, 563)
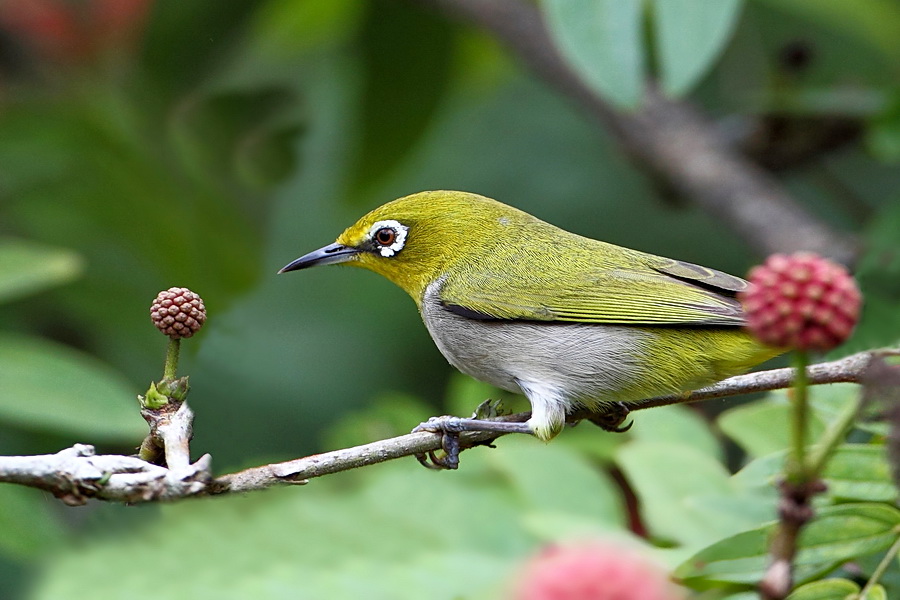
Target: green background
(217, 141)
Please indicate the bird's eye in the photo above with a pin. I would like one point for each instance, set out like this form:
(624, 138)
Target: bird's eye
(385, 236)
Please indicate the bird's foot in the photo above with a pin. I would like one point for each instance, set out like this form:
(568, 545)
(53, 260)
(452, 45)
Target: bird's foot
(612, 418)
(450, 428)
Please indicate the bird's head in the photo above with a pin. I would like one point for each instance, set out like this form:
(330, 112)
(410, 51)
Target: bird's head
(416, 239)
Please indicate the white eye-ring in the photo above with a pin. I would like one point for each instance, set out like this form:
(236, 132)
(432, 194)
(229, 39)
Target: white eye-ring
(388, 237)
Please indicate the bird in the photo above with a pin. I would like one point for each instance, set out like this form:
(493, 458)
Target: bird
(570, 322)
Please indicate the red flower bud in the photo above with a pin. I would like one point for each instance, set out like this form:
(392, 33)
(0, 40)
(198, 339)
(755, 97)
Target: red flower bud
(801, 301)
(178, 312)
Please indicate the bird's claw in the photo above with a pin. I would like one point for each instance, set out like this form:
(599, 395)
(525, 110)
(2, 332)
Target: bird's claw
(612, 419)
(449, 428)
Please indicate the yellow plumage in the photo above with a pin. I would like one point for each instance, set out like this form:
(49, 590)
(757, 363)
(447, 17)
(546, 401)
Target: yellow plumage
(564, 319)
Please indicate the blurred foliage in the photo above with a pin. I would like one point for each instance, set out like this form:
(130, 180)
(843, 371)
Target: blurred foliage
(151, 143)
(604, 41)
(393, 531)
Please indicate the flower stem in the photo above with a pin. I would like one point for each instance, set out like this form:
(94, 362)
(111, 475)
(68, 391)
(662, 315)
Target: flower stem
(798, 471)
(171, 359)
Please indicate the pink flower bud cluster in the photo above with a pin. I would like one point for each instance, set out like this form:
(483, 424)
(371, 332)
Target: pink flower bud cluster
(801, 301)
(178, 312)
(593, 571)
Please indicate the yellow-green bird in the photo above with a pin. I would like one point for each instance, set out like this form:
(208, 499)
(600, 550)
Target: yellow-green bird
(568, 321)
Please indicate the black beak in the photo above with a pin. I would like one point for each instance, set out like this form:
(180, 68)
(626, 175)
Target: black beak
(329, 255)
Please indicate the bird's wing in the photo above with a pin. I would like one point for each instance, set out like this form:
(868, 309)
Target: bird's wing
(655, 291)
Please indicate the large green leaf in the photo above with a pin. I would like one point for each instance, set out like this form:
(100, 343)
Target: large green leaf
(677, 424)
(602, 41)
(854, 472)
(555, 479)
(665, 477)
(49, 387)
(690, 36)
(837, 534)
(27, 267)
(405, 533)
(763, 427)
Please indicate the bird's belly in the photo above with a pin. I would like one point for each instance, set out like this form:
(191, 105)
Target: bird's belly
(588, 364)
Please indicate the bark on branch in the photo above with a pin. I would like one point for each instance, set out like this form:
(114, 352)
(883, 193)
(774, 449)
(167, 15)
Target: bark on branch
(77, 474)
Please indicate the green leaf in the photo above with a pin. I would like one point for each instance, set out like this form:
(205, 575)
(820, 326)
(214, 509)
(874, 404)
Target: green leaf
(676, 424)
(395, 532)
(29, 526)
(665, 477)
(27, 267)
(858, 472)
(49, 387)
(837, 534)
(556, 479)
(826, 589)
(876, 592)
(690, 36)
(763, 427)
(592, 442)
(602, 41)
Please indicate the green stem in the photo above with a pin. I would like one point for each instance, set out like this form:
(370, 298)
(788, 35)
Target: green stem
(879, 570)
(833, 437)
(797, 472)
(171, 359)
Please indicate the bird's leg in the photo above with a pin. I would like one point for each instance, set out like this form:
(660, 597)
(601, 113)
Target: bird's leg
(450, 427)
(612, 418)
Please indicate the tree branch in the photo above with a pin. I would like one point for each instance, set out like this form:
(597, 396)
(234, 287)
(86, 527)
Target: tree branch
(671, 139)
(76, 474)
(849, 369)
